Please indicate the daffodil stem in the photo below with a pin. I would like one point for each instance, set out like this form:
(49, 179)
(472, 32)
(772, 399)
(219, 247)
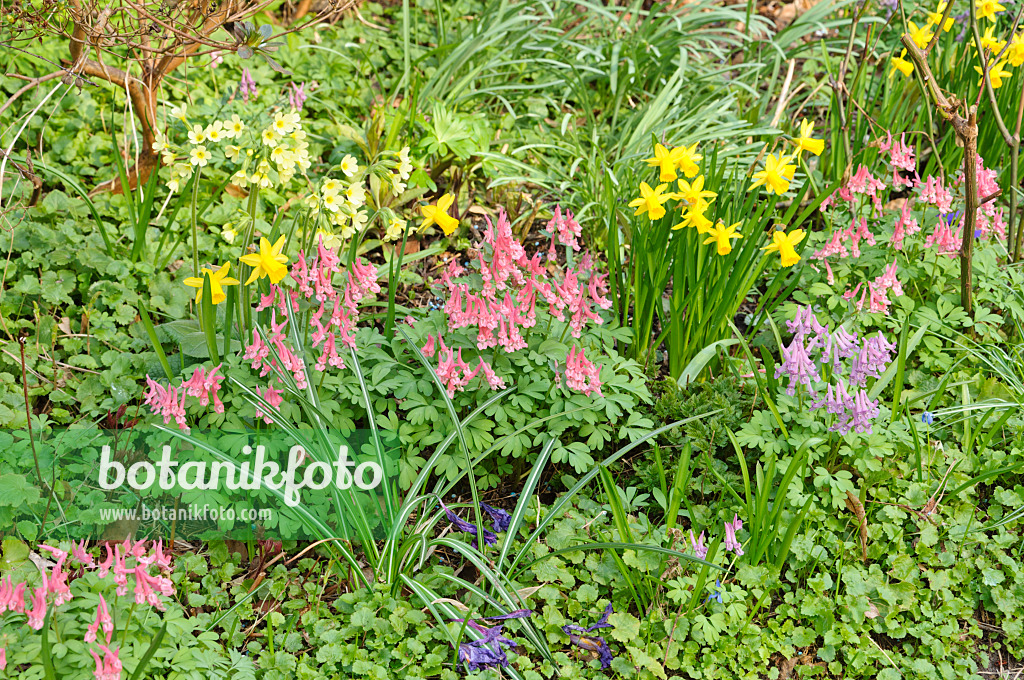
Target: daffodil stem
(810, 178)
(195, 222)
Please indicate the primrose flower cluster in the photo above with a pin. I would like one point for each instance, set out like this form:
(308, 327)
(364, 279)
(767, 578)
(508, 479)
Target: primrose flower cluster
(999, 56)
(694, 201)
(504, 306)
(815, 349)
(272, 157)
(861, 201)
(125, 562)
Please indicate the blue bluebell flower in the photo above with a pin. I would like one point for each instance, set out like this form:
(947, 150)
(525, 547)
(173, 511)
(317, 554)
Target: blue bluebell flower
(717, 594)
(592, 643)
(501, 519)
(927, 418)
(460, 524)
(488, 651)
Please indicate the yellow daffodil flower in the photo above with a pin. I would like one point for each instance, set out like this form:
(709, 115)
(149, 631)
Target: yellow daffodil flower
(785, 245)
(996, 74)
(688, 158)
(268, 262)
(935, 18)
(438, 214)
(667, 160)
(651, 201)
(920, 36)
(218, 280)
(694, 216)
(904, 66)
(721, 235)
(990, 42)
(1015, 55)
(777, 174)
(805, 142)
(987, 9)
(694, 193)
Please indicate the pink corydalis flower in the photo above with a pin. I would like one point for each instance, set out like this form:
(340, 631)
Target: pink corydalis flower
(205, 386)
(906, 225)
(109, 668)
(581, 374)
(102, 620)
(38, 613)
(57, 583)
(12, 598)
(566, 229)
(272, 396)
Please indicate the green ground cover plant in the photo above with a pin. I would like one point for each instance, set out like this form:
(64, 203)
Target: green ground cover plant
(686, 338)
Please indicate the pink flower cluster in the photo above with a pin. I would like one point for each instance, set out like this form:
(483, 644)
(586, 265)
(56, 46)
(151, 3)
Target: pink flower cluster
(169, 401)
(582, 375)
(566, 228)
(315, 283)
(858, 231)
(862, 183)
(906, 225)
(454, 372)
(879, 291)
(989, 218)
(507, 302)
(901, 157)
(55, 585)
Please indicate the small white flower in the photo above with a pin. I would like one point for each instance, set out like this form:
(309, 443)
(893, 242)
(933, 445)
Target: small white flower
(235, 126)
(404, 164)
(269, 137)
(178, 112)
(359, 220)
(197, 135)
(356, 195)
(199, 156)
(397, 185)
(349, 166)
(396, 227)
(215, 131)
(331, 202)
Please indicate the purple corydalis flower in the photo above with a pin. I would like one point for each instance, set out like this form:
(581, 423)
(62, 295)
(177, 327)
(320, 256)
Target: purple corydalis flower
(797, 366)
(875, 354)
(501, 519)
(731, 542)
(297, 96)
(699, 549)
(592, 643)
(805, 322)
(247, 86)
(488, 651)
(460, 524)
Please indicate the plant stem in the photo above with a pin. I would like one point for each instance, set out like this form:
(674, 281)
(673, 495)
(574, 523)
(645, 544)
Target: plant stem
(195, 223)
